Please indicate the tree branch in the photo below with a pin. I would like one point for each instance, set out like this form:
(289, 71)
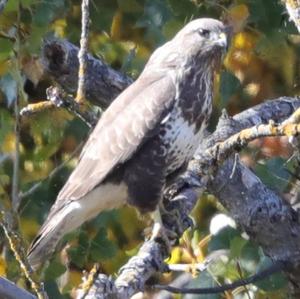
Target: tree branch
(186, 191)
(58, 98)
(9, 290)
(103, 84)
(274, 268)
(82, 53)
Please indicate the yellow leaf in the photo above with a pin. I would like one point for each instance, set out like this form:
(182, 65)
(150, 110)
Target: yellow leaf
(33, 69)
(59, 27)
(9, 143)
(4, 65)
(237, 16)
(2, 266)
(28, 227)
(115, 30)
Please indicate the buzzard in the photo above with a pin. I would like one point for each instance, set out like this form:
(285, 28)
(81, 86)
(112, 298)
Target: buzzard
(147, 134)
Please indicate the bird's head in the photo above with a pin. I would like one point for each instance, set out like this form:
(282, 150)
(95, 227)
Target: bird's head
(205, 38)
(199, 41)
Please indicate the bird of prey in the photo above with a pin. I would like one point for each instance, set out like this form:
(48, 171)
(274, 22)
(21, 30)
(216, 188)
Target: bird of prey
(151, 130)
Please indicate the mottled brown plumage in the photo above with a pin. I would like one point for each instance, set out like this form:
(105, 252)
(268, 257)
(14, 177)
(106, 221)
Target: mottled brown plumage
(150, 131)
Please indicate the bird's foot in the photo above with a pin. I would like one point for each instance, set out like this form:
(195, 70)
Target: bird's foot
(176, 218)
(180, 223)
(159, 231)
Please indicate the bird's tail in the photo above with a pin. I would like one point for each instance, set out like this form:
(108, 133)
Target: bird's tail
(55, 227)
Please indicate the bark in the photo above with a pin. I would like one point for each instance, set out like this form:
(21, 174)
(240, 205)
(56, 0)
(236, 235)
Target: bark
(9, 290)
(259, 211)
(102, 83)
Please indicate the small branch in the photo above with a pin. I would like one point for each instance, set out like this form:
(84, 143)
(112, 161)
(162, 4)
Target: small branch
(16, 164)
(58, 98)
(274, 268)
(17, 248)
(82, 54)
(9, 290)
(35, 108)
(223, 150)
(191, 268)
(277, 110)
(88, 281)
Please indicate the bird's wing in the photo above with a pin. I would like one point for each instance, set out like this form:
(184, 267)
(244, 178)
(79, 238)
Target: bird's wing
(123, 128)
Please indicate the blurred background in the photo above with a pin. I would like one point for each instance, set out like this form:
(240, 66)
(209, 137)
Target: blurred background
(262, 63)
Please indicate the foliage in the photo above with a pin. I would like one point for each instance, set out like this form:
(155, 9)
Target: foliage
(262, 63)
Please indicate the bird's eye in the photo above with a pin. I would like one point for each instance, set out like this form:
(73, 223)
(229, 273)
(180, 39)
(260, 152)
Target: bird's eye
(204, 32)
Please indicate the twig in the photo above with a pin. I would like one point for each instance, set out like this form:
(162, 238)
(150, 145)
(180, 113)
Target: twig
(82, 54)
(18, 248)
(222, 150)
(274, 268)
(58, 98)
(89, 281)
(61, 99)
(35, 108)
(16, 164)
(200, 267)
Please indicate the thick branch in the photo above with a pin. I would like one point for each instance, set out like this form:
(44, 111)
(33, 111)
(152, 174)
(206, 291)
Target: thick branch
(102, 83)
(135, 273)
(150, 258)
(262, 213)
(9, 290)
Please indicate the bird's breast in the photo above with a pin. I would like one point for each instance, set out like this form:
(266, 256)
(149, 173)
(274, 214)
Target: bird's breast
(181, 139)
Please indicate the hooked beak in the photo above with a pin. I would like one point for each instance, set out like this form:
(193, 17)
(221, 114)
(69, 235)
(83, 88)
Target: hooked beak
(222, 41)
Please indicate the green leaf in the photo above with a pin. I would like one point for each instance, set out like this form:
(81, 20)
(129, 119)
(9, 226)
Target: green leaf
(204, 280)
(236, 246)
(130, 6)
(78, 254)
(273, 173)
(101, 247)
(46, 11)
(156, 14)
(107, 9)
(249, 257)
(267, 14)
(182, 8)
(229, 85)
(53, 291)
(272, 283)
(54, 270)
(35, 40)
(222, 239)
(6, 47)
